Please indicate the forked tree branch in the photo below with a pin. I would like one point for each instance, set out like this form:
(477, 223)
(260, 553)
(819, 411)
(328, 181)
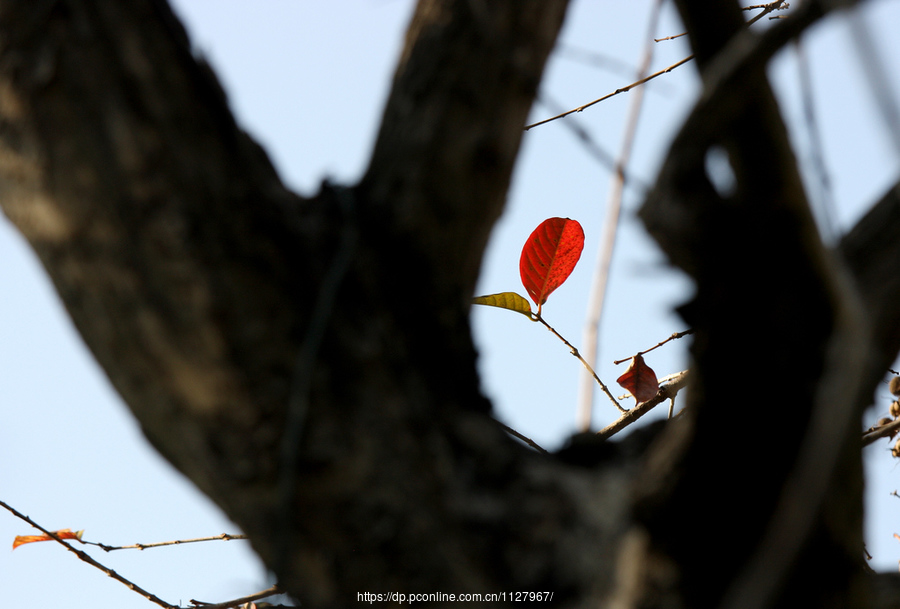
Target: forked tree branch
(192, 273)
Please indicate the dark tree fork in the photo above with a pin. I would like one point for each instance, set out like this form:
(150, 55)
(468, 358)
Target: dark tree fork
(231, 314)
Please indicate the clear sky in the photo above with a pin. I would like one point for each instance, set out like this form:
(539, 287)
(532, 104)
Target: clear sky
(309, 79)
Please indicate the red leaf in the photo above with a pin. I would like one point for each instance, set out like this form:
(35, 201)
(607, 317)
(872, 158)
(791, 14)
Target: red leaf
(639, 380)
(549, 256)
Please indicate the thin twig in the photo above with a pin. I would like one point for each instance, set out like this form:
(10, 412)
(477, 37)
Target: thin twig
(608, 95)
(673, 37)
(525, 439)
(144, 546)
(585, 402)
(771, 6)
(767, 8)
(583, 361)
(238, 601)
(89, 560)
(674, 336)
(778, 5)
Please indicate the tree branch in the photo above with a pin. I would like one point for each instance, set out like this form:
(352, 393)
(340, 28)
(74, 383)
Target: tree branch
(85, 557)
(198, 282)
(872, 253)
(749, 250)
(667, 391)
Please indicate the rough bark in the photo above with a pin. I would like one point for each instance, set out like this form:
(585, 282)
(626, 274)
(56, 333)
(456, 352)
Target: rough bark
(267, 346)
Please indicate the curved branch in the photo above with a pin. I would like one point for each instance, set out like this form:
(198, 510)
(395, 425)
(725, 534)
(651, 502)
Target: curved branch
(755, 254)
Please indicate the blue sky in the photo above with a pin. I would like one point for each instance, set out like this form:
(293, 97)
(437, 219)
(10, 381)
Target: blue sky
(308, 79)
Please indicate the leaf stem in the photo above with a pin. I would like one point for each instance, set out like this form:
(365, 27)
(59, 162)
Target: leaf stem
(583, 361)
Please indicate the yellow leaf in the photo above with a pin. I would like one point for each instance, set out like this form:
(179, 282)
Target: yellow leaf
(507, 300)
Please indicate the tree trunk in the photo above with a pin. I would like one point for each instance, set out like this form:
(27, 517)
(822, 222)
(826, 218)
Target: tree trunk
(308, 363)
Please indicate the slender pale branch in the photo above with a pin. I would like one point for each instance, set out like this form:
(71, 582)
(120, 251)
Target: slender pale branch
(585, 402)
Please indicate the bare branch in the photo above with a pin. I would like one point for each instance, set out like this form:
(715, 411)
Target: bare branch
(85, 557)
(887, 430)
(159, 544)
(778, 5)
(238, 601)
(769, 8)
(624, 89)
(674, 336)
(525, 439)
